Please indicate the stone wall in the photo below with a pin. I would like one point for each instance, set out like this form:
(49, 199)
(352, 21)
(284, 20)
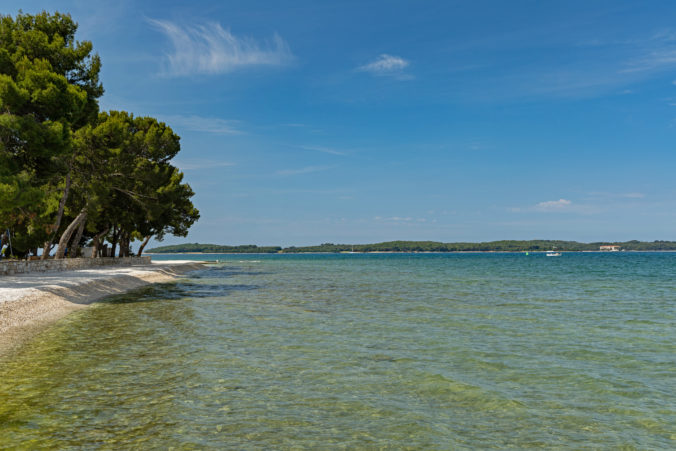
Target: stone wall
(8, 267)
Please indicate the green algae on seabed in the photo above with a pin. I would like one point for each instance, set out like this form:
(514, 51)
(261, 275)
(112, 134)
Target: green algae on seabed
(359, 351)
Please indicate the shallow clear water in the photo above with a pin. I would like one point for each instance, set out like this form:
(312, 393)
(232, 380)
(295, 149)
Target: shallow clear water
(362, 351)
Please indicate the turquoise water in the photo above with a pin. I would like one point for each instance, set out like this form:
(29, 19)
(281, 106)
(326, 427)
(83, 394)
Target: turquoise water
(419, 351)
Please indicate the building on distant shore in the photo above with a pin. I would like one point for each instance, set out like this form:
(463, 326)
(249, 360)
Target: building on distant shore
(610, 248)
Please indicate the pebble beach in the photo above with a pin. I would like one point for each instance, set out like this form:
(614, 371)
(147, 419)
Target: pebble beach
(29, 302)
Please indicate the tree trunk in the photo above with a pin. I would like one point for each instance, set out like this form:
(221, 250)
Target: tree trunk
(69, 232)
(3, 240)
(75, 245)
(121, 244)
(46, 249)
(124, 245)
(97, 243)
(143, 245)
(113, 244)
(62, 204)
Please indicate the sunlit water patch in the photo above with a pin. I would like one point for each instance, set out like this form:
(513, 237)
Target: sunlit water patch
(362, 351)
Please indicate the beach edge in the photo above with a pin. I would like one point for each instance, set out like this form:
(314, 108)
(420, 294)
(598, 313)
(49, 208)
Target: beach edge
(24, 318)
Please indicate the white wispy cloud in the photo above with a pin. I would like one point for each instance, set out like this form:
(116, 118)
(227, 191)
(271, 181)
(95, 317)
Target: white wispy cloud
(394, 218)
(305, 170)
(596, 67)
(203, 124)
(387, 65)
(211, 49)
(653, 61)
(324, 150)
(400, 219)
(553, 205)
(593, 203)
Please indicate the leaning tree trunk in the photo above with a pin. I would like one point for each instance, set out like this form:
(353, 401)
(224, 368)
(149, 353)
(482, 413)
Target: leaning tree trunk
(65, 238)
(97, 242)
(143, 245)
(75, 245)
(47, 247)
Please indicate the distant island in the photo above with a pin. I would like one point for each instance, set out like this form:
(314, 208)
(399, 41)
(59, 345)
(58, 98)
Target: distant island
(420, 246)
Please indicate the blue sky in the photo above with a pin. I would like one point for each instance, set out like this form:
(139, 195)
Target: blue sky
(307, 122)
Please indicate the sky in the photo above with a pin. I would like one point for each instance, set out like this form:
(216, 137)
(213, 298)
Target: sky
(309, 122)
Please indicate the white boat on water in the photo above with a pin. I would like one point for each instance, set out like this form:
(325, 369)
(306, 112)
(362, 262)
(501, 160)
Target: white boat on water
(553, 254)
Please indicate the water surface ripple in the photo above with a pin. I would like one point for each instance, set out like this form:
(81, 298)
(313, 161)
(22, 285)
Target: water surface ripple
(362, 351)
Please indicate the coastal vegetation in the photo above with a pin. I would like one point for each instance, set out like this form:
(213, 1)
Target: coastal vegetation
(216, 249)
(425, 246)
(70, 174)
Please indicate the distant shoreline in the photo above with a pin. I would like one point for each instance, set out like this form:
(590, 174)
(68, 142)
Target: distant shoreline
(500, 246)
(402, 252)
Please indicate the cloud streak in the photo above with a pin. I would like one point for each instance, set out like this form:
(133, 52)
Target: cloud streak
(193, 164)
(594, 203)
(204, 124)
(323, 150)
(211, 49)
(553, 205)
(400, 219)
(387, 66)
(589, 69)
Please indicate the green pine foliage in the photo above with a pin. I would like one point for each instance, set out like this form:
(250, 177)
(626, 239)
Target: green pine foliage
(64, 166)
(49, 86)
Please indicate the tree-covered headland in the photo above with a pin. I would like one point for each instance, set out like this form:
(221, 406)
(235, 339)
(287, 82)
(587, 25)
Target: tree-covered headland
(216, 249)
(71, 175)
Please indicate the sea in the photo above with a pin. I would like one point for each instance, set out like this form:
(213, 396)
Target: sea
(361, 351)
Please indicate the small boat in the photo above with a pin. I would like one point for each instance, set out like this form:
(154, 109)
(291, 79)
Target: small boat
(553, 254)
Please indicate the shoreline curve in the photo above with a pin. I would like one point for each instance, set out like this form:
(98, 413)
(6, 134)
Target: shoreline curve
(31, 302)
